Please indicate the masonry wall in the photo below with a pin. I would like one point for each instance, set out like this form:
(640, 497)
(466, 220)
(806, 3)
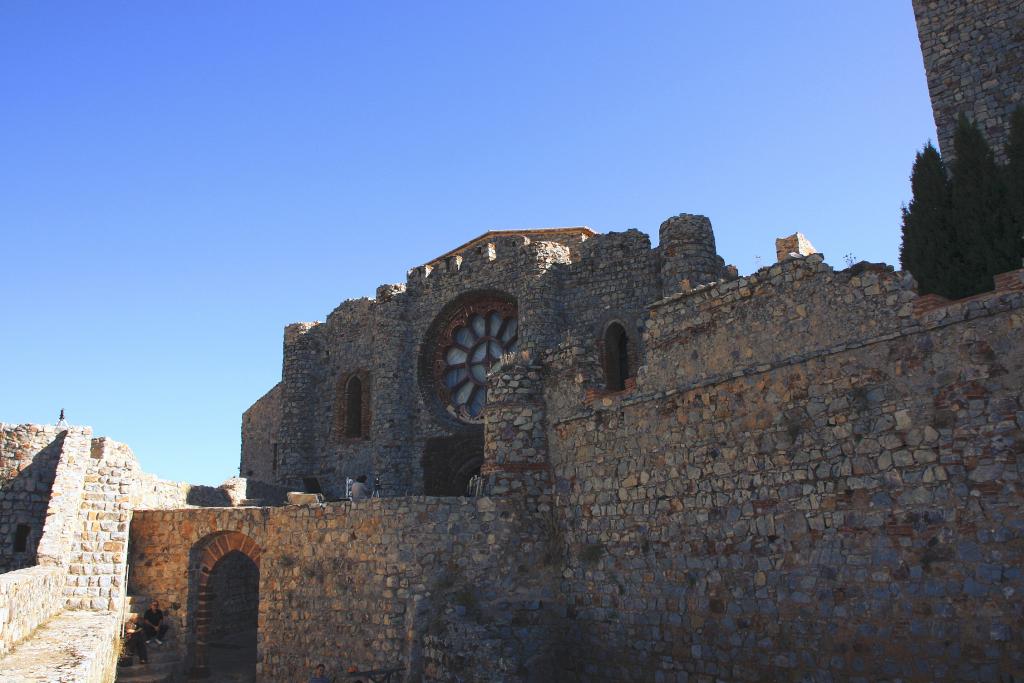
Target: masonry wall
(565, 288)
(260, 425)
(369, 584)
(28, 597)
(28, 462)
(974, 56)
(387, 339)
(840, 502)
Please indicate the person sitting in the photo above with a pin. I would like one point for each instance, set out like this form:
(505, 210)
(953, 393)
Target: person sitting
(360, 491)
(320, 675)
(153, 623)
(135, 640)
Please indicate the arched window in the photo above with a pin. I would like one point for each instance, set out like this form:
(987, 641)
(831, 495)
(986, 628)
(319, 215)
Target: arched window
(354, 407)
(616, 357)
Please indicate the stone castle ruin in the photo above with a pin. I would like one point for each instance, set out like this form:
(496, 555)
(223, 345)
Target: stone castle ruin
(676, 474)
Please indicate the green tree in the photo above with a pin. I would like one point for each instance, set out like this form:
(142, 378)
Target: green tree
(1015, 180)
(979, 212)
(929, 249)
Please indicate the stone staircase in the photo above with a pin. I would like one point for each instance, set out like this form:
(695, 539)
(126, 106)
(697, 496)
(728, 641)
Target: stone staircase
(165, 662)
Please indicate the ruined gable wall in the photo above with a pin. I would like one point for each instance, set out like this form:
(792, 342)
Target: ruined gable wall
(815, 506)
(388, 337)
(260, 447)
(367, 584)
(974, 56)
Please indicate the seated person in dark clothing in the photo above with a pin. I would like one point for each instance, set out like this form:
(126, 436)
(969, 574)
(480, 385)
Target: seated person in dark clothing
(135, 640)
(320, 676)
(153, 623)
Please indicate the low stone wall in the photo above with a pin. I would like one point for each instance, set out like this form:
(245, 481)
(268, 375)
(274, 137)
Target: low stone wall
(150, 492)
(77, 647)
(28, 597)
(365, 584)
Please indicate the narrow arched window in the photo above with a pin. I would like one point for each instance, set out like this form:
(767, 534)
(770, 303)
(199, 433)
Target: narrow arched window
(616, 357)
(354, 407)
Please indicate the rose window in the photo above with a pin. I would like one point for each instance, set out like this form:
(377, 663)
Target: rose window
(477, 341)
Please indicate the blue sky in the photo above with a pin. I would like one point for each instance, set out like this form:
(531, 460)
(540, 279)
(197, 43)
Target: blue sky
(178, 181)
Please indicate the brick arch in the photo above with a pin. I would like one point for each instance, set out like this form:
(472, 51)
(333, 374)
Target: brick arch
(209, 551)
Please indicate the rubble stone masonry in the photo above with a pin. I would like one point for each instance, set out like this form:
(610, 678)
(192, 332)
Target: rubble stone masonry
(834, 494)
(365, 584)
(974, 56)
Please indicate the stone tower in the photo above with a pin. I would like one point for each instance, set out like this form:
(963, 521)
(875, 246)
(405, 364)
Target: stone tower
(687, 249)
(974, 56)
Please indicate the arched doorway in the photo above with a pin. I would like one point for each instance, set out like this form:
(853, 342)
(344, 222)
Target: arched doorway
(224, 602)
(450, 461)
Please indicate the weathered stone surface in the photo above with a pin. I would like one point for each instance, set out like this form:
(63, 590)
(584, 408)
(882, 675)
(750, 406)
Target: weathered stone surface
(371, 584)
(974, 56)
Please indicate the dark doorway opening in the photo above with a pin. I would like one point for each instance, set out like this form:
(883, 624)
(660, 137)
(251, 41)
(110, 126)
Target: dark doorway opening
(233, 593)
(222, 614)
(449, 462)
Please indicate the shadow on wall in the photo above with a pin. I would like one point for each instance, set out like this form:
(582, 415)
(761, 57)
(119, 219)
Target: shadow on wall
(24, 498)
(450, 461)
(208, 496)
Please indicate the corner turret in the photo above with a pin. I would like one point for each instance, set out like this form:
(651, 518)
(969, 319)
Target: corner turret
(688, 254)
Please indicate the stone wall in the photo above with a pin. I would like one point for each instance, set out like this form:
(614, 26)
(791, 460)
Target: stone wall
(367, 584)
(563, 284)
(974, 57)
(28, 461)
(28, 597)
(260, 425)
(63, 515)
(78, 647)
(832, 495)
(97, 563)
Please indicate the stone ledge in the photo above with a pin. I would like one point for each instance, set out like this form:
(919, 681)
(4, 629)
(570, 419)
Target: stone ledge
(28, 597)
(74, 647)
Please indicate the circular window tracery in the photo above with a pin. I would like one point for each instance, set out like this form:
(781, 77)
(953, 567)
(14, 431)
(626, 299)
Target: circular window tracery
(473, 341)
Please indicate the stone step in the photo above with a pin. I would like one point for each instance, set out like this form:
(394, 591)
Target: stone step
(163, 664)
(144, 675)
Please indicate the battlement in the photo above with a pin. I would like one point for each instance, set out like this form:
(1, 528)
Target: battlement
(512, 249)
(296, 331)
(484, 244)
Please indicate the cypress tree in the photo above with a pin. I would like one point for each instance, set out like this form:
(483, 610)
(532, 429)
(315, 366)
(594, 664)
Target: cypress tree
(929, 249)
(979, 211)
(1015, 181)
